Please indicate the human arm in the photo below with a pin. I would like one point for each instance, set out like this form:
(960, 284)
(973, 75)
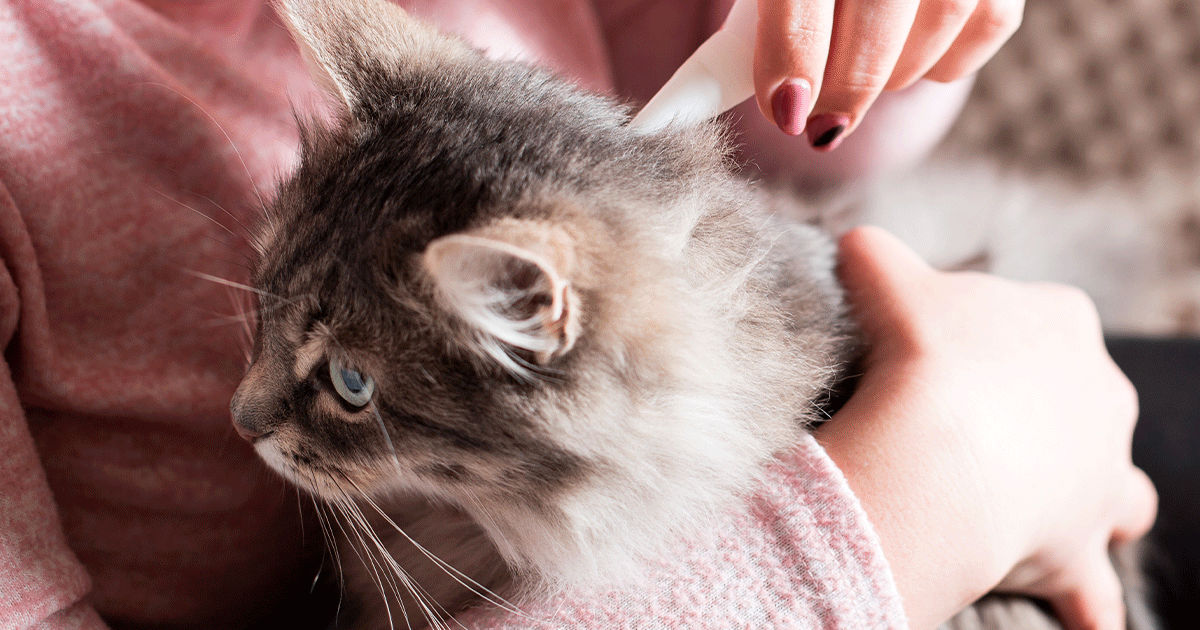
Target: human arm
(42, 584)
(989, 441)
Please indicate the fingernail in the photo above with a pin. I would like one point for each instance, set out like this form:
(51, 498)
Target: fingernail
(789, 103)
(825, 130)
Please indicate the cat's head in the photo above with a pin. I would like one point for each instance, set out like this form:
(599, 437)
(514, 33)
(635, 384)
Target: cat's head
(473, 288)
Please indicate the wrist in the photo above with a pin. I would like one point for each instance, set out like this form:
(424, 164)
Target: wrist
(903, 457)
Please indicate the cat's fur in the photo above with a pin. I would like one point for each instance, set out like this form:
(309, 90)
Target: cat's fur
(585, 341)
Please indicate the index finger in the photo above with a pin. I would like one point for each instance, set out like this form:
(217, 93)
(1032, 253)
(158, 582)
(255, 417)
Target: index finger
(790, 52)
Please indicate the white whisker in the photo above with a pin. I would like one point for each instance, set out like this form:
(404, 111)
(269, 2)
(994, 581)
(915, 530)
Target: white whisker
(231, 283)
(423, 597)
(210, 219)
(369, 563)
(237, 152)
(227, 213)
(463, 579)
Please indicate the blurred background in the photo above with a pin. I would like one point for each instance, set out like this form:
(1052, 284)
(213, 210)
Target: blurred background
(1094, 90)
(1077, 160)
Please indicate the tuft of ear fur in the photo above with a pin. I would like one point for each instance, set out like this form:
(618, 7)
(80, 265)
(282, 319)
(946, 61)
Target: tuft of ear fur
(509, 282)
(347, 44)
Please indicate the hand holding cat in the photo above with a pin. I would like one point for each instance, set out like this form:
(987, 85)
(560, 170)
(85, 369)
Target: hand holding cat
(989, 440)
(820, 64)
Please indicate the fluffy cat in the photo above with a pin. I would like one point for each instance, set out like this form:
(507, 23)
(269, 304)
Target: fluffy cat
(544, 341)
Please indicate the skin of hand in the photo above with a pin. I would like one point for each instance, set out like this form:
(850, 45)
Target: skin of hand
(820, 64)
(989, 439)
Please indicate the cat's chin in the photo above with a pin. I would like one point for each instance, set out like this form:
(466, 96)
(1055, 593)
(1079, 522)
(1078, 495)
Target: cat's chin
(315, 483)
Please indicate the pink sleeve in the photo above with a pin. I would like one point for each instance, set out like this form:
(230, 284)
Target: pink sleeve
(798, 554)
(42, 584)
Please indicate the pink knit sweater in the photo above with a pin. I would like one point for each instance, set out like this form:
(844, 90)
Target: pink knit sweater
(125, 496)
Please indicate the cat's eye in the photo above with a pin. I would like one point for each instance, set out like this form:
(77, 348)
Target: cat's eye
(353, 386)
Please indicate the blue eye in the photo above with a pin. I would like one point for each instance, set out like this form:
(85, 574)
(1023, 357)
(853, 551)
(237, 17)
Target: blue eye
(353, 386)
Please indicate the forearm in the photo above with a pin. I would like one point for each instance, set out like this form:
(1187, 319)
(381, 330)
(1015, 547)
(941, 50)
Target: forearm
(933, 531)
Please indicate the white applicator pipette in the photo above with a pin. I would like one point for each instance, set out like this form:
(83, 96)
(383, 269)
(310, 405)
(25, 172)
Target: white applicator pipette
(718, 76)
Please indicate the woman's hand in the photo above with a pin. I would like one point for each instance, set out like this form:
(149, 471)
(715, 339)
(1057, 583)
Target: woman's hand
(820, 64)
(989, 440)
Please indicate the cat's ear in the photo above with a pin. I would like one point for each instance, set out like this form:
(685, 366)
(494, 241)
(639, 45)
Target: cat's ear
(349, 45)
(511, 284)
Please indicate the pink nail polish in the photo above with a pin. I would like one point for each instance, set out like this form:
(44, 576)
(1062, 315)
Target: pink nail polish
(789, 104)
(825, 130)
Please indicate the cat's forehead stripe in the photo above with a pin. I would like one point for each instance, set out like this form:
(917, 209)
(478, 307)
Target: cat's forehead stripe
(311, 352)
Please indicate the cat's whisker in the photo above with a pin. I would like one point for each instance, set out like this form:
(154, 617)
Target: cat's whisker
(354, 515)
(369, 563)
(463, 579)
(300, 513)
(243, 316)
(228, 214)
(423, 598)
(228, 246)
(198, 212)
(230, 283)
(317, 577)
(495, 531)
(237, 152)
(386, 437)
(331, 546)
(240, 302)
(341, 504)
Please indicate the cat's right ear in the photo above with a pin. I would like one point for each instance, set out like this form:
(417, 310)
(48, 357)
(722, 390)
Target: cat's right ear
(351, 46)
(511, 284)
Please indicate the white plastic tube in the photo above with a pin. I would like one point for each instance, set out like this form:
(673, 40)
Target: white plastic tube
(718, 76)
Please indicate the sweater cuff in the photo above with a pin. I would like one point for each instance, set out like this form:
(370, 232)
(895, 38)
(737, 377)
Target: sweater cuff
(819, 527)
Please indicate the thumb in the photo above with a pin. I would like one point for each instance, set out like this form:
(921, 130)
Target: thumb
(1095, 603)
(869, 254)
(881, 276)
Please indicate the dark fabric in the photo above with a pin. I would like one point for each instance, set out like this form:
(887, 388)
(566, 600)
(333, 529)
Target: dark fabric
(1166, 445)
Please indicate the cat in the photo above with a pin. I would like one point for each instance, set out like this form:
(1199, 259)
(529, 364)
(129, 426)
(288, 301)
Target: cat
(552, 342)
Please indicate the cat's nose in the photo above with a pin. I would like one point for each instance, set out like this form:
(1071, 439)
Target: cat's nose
(250, 434)
(248, 421)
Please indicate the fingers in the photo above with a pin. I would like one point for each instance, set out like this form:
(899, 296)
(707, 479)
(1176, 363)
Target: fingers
(992, 23)
(867, 39)
(1095, 602)
(937, 26)
(820, 64)
(1139, 506)
(789, 59)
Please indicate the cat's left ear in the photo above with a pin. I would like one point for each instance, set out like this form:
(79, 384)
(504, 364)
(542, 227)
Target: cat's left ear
(350, 45)
(510, 283)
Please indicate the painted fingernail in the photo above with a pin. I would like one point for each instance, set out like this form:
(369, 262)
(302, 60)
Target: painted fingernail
(790, 103)
(825, 130)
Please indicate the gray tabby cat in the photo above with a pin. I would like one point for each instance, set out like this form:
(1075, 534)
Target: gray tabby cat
(563, 341)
